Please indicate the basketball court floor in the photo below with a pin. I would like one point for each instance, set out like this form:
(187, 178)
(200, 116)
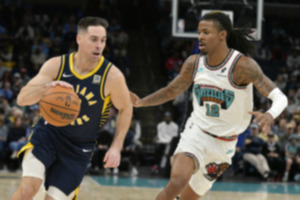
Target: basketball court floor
(126, 188)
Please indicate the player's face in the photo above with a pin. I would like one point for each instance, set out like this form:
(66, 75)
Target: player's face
(93, 41)
(209, 36)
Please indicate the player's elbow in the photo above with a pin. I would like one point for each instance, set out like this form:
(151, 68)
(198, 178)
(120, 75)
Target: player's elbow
(20, 100)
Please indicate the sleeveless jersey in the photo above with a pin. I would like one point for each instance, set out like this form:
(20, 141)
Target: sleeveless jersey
(94, 104)
(220, 106)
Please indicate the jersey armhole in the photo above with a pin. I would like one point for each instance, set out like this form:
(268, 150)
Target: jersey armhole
(61, 68)
(230, 71)
(103, 82)
(196, 65)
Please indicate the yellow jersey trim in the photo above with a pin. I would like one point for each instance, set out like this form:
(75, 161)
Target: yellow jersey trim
(62, 66)
(102, 81)
(75, 197)
(88, 74)
(28, 146)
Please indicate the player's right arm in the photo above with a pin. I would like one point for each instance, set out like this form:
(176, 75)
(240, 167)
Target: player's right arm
(178, 85)
(33, 91)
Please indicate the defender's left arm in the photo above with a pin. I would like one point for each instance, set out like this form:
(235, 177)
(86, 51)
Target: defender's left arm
(116, 87)
(248, 71)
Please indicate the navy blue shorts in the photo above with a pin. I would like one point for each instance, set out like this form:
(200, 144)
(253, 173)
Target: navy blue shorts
(65, 162)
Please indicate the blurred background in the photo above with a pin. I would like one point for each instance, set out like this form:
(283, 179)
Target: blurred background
(141, 44)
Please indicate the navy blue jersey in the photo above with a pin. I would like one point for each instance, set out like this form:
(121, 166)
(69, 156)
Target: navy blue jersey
(94, 104)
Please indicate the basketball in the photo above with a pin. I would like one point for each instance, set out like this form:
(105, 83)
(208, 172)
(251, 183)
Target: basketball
(60, 106)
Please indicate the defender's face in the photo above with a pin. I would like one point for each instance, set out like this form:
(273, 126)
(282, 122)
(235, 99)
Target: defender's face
(209, 36)
(92, 41)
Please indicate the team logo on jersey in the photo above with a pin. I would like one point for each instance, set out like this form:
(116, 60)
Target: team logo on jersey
(215, 170)
(223, 70)
(96, 79)
(200, 69)
(90, 98)
(215, 94)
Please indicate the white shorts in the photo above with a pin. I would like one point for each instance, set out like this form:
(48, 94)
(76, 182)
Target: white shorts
(33, 167)
(212, 156)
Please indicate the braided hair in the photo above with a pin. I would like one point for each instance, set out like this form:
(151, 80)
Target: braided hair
(237, 38)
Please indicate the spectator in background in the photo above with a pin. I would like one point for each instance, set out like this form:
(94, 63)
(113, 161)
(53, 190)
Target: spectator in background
(16, 137)
(263, 53)
(277, 53)
(285, 138)
(127, 153)
(3, 69)
(272, 151)
(7, 92)
(137, 147)
(253, 152)
(5, 106)
(166, 130)
(280, 82)
(292, 106)
(171, 63)
(17, 84)
(38, 57)
(239, 152)
(26, 31)
(103, 143)
(265, 137)
(291, 150)
(24, 75)
(292, 83)
(3, 138)
(293, 61)
(280, 129)
(56, 47)
(43, 46)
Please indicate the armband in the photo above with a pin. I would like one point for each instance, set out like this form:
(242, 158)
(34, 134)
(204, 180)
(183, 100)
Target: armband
(279, 102)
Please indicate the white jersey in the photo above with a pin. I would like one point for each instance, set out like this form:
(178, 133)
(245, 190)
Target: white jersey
(220, 106)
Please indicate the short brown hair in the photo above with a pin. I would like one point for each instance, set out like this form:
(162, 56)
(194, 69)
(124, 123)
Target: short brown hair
(85, 22)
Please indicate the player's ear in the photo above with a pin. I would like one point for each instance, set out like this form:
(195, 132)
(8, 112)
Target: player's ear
(223, 34)
(78, 38)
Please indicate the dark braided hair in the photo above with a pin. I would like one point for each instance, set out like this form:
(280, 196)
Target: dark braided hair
(237, 38)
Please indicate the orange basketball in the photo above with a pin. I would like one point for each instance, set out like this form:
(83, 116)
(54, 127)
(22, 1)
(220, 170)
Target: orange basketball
(60, 106)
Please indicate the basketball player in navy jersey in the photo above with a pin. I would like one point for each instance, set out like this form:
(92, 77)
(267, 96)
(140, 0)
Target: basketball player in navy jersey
(222, 76)
(59, 155)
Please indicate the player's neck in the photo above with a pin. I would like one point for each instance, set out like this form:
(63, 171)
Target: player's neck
(83, 65)
(217, 57)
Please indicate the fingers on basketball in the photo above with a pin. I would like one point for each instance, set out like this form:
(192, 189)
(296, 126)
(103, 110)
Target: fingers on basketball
(60, 106)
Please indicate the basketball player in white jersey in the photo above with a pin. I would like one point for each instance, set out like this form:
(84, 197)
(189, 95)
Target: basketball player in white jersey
(222, 76)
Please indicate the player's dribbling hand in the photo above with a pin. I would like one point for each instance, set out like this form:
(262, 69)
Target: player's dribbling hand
(112, 158)
(264, 120)
(60, 83)
(135, 99)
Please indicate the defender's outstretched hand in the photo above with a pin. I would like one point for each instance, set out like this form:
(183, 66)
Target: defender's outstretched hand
(264, 120)
(136, 100)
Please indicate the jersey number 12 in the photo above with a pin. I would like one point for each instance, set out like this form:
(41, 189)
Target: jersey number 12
(212, 110)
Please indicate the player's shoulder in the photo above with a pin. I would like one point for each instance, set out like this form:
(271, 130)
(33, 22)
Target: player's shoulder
(192, 60)
(54, 61)
(115, 76)
(246, 62)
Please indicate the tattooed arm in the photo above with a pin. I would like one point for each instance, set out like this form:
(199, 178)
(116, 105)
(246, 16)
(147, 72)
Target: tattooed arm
(248, 71)
(177, 86)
